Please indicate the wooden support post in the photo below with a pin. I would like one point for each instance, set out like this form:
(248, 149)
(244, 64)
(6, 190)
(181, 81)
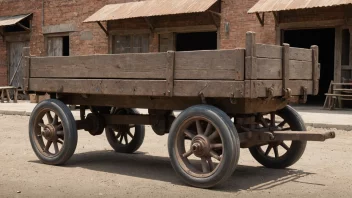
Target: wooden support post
(2, 95)
(315, 69)
(15, 95)
(7, 95)
(251, 62)
(170, 73)
(285, 67)
(26, 67)
(337, 54)
(350, 29)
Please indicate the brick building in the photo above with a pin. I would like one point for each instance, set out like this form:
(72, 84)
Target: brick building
(56, 28)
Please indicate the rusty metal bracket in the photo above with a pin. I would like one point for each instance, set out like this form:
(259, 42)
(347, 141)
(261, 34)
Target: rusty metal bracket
(202, 98)
(304, 95)
(287, 93)
(269, 93)
(233, 99)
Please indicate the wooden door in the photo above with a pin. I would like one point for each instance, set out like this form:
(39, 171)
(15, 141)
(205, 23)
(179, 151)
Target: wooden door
(16, 63)
(55, 46)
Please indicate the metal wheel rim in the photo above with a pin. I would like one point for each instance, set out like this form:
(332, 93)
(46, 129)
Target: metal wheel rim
(207, 166)
(274, 147)
(48, 134)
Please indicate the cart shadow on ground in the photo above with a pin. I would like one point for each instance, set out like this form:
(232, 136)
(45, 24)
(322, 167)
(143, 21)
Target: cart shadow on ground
(159, 168)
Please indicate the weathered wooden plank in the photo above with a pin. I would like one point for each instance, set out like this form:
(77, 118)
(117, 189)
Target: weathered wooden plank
(269, 68)
(300, 54)
(315, 68)
(190, 88)
(260, 87)
(170, 71)
(26, 67)
(123, 66)
(269, 51)
(219, 64)
(251, 59)
(301, 70)
(286, 66)
(209, 88)
(101, 87)
(337, 54)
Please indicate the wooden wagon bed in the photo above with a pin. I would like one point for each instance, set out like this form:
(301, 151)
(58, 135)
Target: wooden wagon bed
(259, 71)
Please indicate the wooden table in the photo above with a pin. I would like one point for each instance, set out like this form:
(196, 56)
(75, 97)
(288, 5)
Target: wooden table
(6, 90)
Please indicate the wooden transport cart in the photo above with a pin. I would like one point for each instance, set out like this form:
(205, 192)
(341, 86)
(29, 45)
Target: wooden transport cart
(231, 99)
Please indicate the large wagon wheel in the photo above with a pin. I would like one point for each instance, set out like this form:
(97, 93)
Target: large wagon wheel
(52, 132)
(203, 146)
(125, 138)
(282, 154)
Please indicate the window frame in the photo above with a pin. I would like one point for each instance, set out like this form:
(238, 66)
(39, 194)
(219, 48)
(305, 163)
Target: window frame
(47, 36)
(114, 33)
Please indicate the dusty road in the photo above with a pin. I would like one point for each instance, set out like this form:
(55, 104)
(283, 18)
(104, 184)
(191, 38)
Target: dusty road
(95, 171)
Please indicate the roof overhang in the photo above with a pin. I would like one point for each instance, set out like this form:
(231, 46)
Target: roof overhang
(12, 20)
(149, 8)
(284, 5)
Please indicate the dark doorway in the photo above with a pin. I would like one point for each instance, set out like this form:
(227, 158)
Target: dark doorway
(325, 39)
(196, 41)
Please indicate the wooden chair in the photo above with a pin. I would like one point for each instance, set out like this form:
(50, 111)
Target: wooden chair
(338, 92)
(6, 91)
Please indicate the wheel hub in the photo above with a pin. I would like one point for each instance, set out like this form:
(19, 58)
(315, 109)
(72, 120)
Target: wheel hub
(200, 146)
(49, 132)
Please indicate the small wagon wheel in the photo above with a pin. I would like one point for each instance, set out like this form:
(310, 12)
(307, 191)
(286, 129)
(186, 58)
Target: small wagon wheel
(52, 132)
(125, 138)
(282, 154)
(203, 146)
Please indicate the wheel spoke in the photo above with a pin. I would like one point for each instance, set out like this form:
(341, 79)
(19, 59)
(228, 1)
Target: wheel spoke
(284, 146)
(56, 119)
(126, 138)
(286, 129)
(56, 147)
(47, 146)
(118, 135)
(216, 146)
(60, 142)
(214, 135)
(189, 134)
(130, 134)
(50, 117)
(188, 153)
(132, 126)
(215, 155)
(276, 151)
(121, 137)
(208, 130)
(268, 150)
(199, 128)
(59, 126)
(211, 164)
(205, 165)
(282, 124)
(60, 133)
(41, 125)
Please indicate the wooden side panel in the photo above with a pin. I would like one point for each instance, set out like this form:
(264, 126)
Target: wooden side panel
(269, 68)
(300, 54)
(259, 87)
(101, 66)
(269, 51)
(220, 64)
(100, 87)
(300, 70)
(187, 88)
(209, 88)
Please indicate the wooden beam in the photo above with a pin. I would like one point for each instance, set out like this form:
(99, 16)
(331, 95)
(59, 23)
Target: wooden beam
(337, 54)
(150, 24)
(261, 18)
(285, 66)
(312, 24)
(24, 27)
(350, 29)
(276, 17)
(215, 13)
(103, 28)
(212, 15)
(315, 69)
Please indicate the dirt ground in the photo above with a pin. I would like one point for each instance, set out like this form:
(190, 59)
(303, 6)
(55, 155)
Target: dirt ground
(96, 171)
